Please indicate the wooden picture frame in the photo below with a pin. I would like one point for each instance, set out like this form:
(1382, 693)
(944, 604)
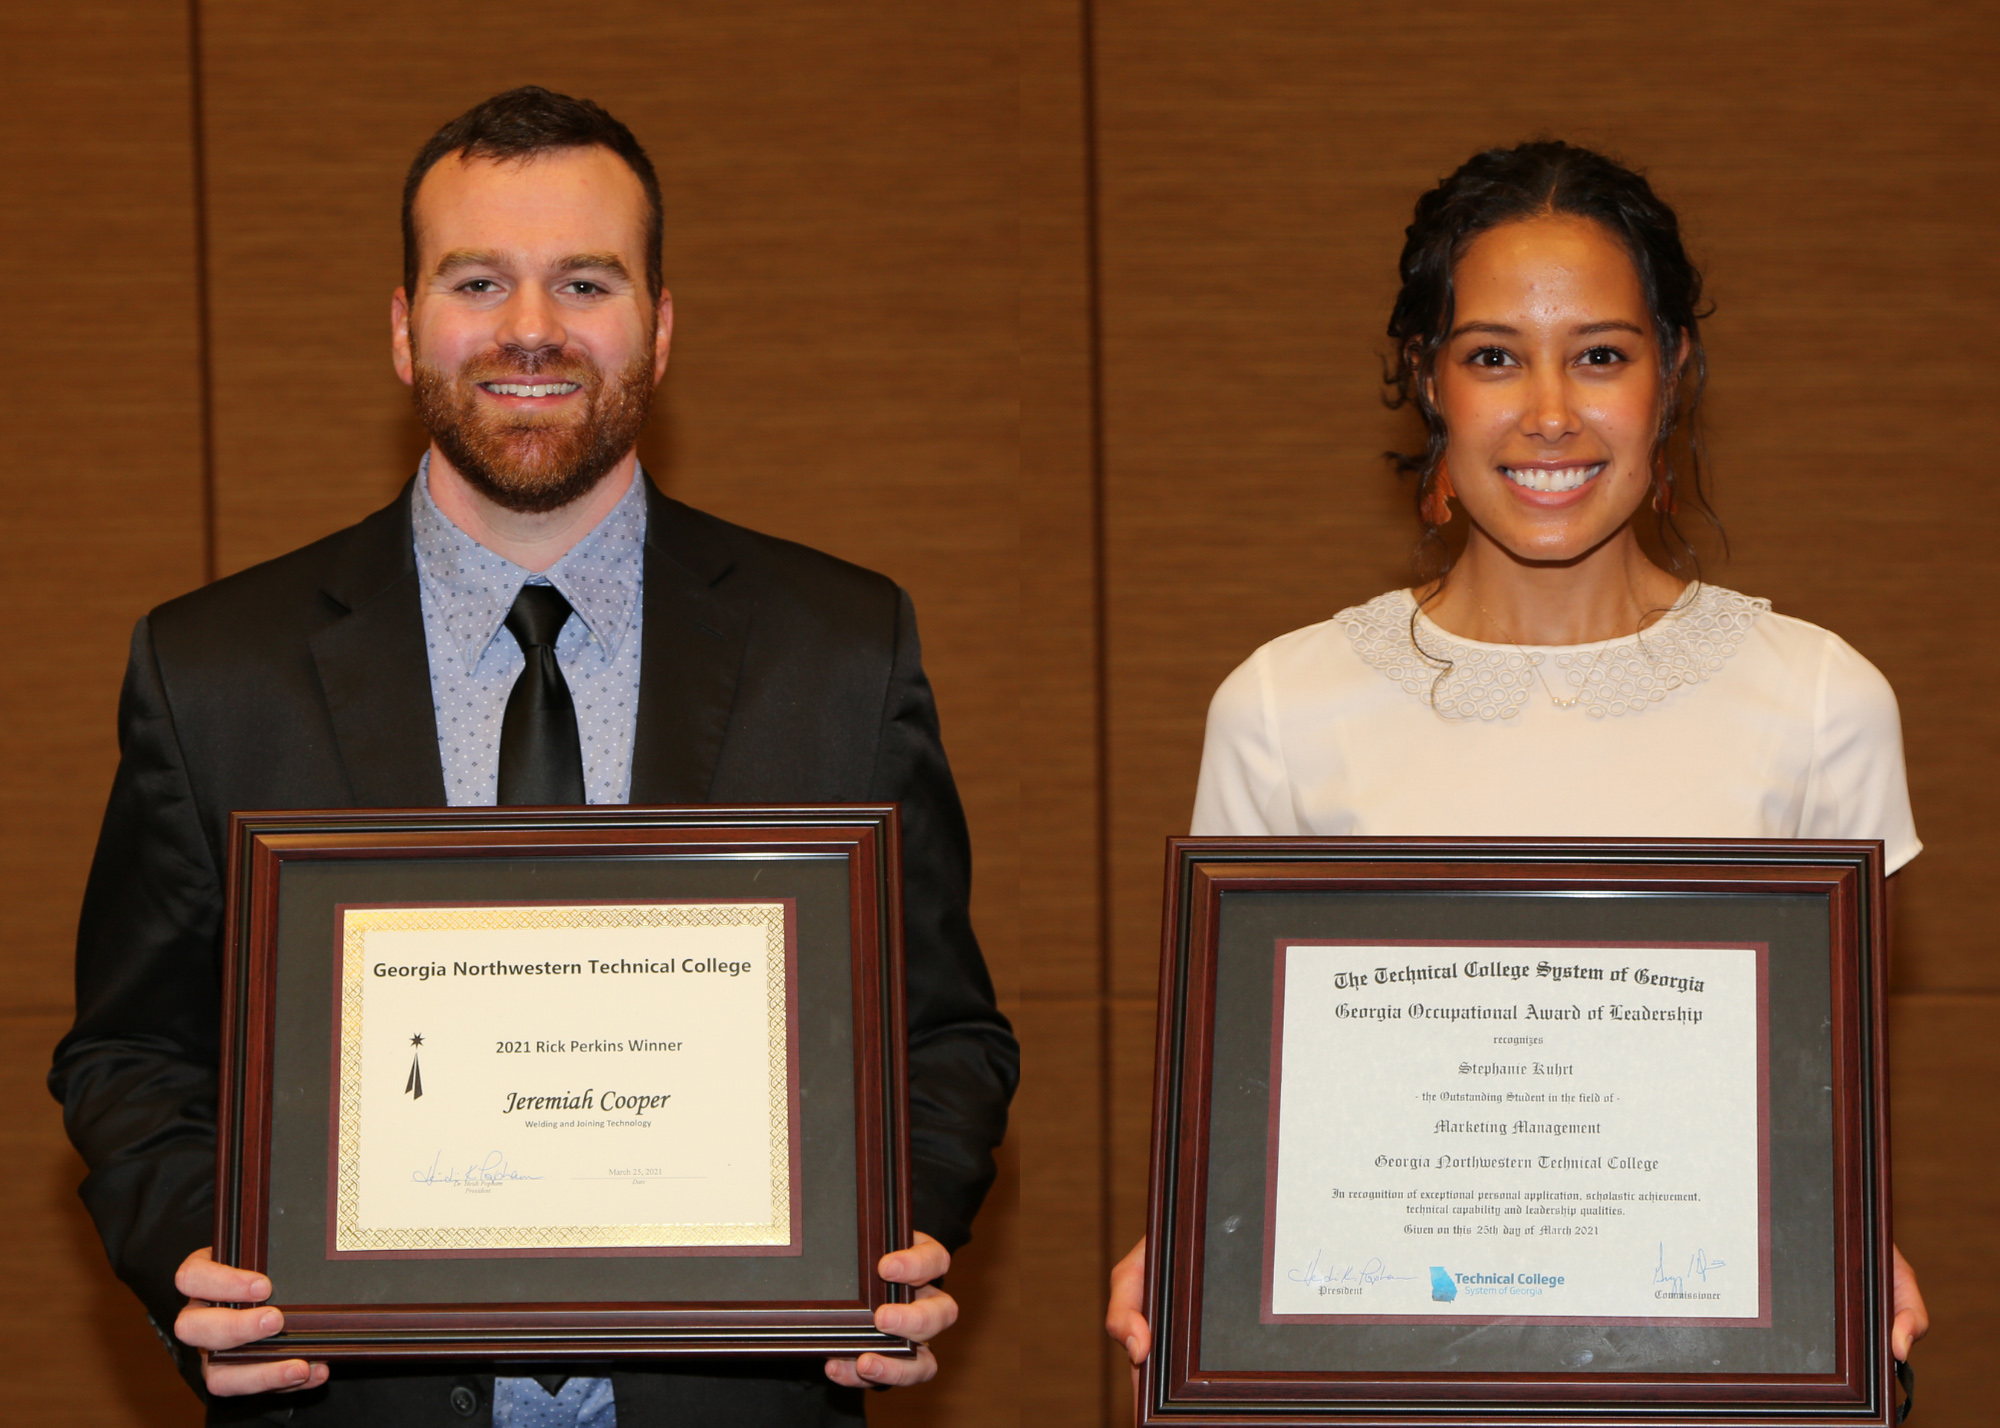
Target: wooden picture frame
(831, 872)
(1221, 1355)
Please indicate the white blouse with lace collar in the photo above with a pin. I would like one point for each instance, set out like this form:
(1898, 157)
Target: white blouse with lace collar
(1721, 720)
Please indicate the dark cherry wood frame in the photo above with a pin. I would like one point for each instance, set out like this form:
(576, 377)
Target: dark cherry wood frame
(867, 836)
(1173, 1390)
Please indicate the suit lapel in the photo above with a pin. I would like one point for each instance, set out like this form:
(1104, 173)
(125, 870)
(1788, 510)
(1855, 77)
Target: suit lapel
(692, 643)
(375, 672)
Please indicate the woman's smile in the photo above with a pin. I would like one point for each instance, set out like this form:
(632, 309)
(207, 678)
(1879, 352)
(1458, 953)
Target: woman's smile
(1555, 480)
(1553, 487)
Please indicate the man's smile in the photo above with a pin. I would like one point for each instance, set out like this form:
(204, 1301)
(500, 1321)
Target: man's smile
(529, 389)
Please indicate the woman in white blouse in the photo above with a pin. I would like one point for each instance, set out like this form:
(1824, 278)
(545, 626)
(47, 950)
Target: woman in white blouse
(1554, 677)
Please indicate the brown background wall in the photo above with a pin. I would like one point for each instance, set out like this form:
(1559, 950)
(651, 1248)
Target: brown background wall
(1067, 316)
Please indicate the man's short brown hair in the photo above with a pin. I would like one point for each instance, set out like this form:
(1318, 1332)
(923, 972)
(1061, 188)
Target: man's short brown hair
(521, 124)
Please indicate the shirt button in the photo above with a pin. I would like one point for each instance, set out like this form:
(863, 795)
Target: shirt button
(464, 1402)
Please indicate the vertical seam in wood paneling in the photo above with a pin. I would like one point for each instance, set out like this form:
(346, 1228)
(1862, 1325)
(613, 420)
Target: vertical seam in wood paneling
(1101, 711)
(204, 358)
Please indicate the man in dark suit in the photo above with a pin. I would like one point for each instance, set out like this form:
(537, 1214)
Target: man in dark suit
(648, 654)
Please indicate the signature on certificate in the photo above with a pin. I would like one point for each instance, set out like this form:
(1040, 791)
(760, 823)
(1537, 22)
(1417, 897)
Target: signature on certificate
(1372, 1272)
(480, 1175)
(1699, 1266)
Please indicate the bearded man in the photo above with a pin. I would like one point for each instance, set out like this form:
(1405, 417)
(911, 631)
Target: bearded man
(379, 667)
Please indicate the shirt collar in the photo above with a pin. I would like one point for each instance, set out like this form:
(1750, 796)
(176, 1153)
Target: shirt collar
(599, 575)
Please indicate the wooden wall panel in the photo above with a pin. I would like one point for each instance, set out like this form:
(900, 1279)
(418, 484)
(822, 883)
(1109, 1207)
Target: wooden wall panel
(1062, 953)
(1061, 1345)
(1836, 167)
(1058, 514)
(841, 239)
(103, 494)
(84, 1354)
(103, 471)
(1946, 1051)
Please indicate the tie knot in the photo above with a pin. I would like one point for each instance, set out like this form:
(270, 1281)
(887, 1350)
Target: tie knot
(538, 616)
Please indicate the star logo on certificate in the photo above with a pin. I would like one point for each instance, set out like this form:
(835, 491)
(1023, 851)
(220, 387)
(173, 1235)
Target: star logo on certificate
(414, 1087)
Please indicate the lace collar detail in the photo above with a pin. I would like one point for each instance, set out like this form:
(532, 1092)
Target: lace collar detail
(1464, 680)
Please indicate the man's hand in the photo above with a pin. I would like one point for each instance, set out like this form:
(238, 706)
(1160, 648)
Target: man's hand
(1912, 1321)
(926, 1316)
(203, 1326)
(1125, 1319)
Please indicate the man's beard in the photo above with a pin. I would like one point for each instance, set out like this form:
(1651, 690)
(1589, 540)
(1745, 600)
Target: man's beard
(534, 462)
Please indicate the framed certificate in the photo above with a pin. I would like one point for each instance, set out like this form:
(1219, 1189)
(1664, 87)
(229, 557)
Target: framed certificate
(565, 1085)
(1520, 1131)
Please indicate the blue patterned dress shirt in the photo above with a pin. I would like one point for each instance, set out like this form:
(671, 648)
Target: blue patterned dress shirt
(467, 591)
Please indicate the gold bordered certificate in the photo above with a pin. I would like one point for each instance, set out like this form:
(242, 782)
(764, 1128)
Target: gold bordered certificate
(580, 1078)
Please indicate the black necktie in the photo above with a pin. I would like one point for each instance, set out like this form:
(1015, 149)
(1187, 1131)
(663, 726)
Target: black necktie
(541, 760)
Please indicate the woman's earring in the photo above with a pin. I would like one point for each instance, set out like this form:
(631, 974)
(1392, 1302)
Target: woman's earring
(1663, 490)
(1437, 505)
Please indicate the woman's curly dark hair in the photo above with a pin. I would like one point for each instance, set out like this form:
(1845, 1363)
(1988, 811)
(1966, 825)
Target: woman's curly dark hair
(1548, 177)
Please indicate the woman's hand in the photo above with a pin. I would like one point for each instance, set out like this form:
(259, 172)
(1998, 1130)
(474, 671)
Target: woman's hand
(927, 1315)
(1912, 1321)
(1125, 1319)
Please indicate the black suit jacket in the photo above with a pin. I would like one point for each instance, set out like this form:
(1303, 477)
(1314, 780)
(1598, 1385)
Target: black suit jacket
(769, 673)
